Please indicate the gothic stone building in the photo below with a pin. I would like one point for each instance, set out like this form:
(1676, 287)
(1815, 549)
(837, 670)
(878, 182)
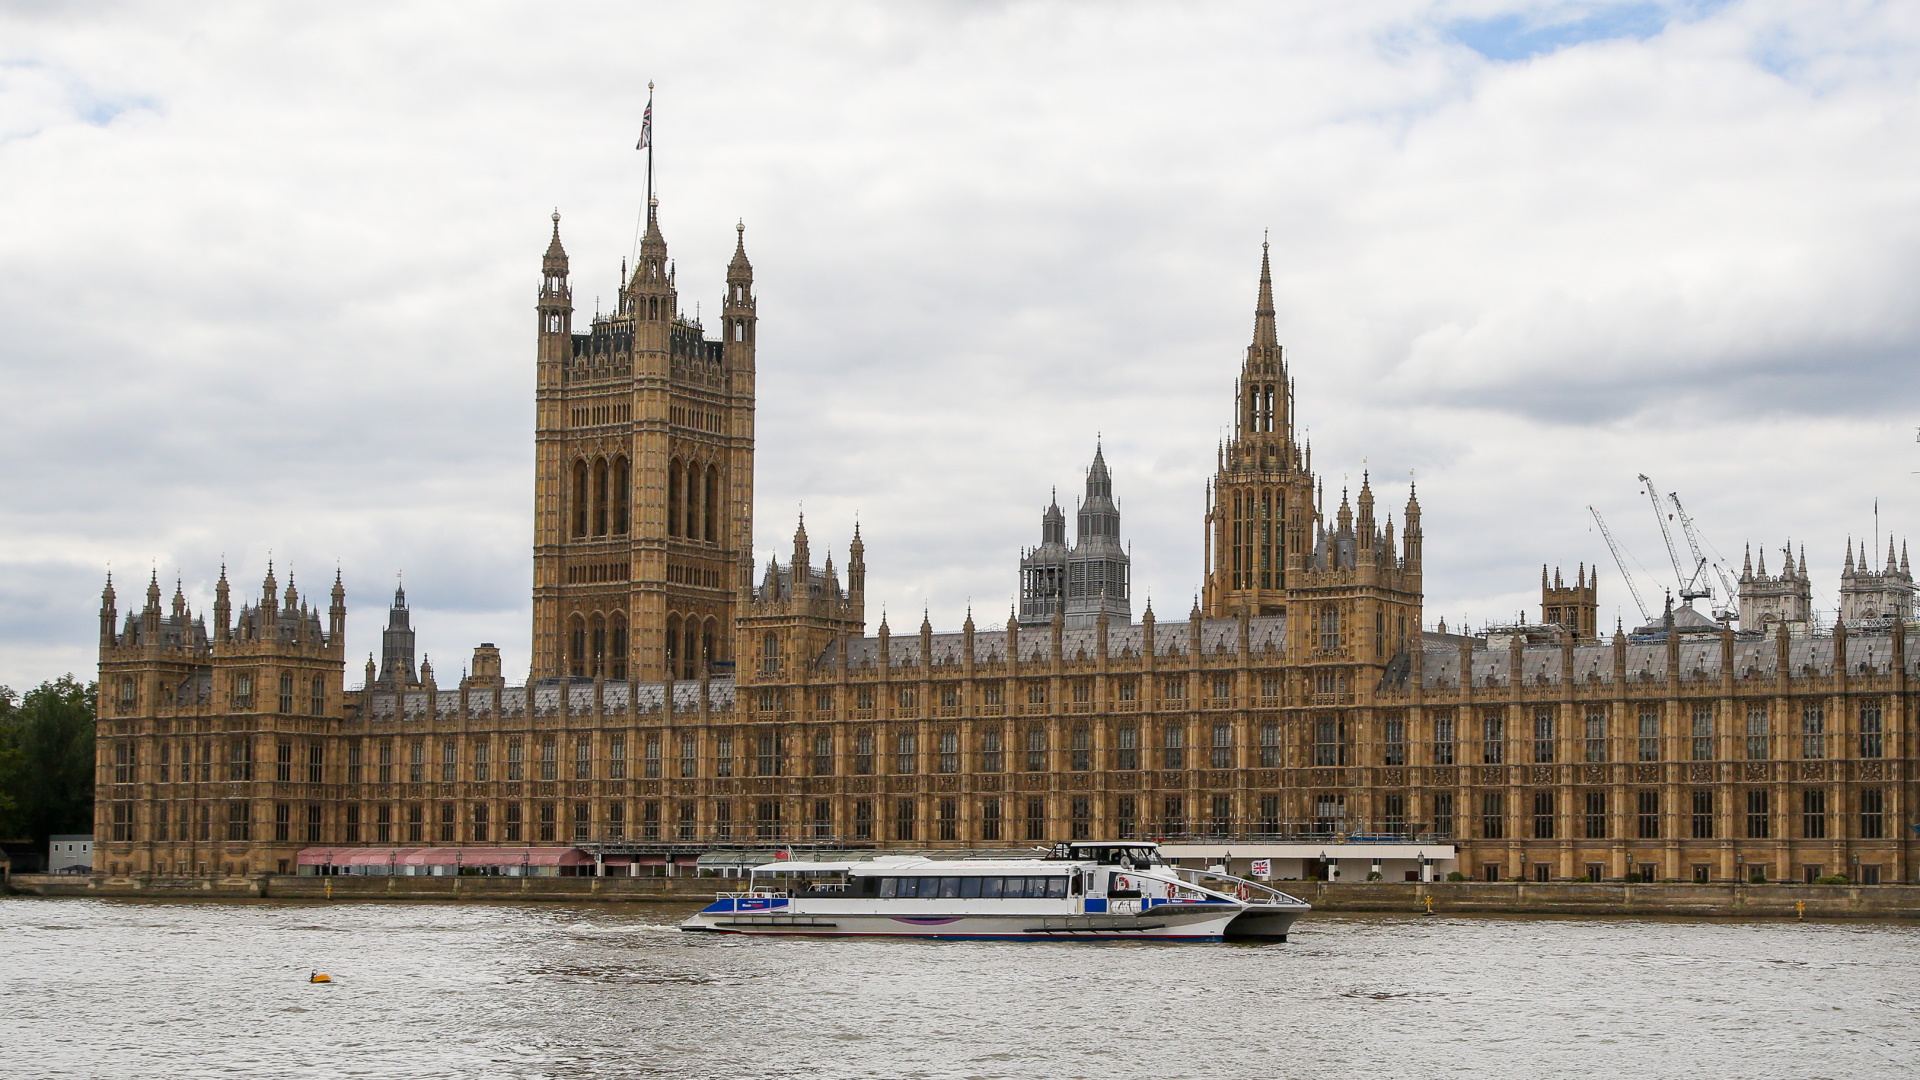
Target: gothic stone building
(675, 703)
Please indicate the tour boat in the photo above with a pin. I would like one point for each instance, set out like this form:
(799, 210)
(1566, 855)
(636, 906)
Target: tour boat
(1106, 891)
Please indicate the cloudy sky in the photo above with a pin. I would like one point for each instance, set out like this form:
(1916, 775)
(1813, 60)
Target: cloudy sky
(267, 276)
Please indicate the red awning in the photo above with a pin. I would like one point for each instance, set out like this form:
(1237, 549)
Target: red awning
(444, 856)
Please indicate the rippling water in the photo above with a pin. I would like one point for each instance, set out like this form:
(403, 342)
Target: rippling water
(99, 988)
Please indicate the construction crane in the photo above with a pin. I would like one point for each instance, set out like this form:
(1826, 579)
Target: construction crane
(1621, 562)
(1690, 587)
(1731, 593)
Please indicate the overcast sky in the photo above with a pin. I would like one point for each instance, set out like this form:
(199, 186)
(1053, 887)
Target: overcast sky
(267, 276)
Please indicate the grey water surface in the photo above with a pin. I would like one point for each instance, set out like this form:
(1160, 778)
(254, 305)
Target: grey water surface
(104, 988)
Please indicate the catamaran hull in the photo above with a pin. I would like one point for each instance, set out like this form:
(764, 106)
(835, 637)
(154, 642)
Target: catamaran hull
(1158, 925)
(1268, 922)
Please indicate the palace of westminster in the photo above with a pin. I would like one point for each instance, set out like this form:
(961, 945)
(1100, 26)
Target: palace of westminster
(682, 698)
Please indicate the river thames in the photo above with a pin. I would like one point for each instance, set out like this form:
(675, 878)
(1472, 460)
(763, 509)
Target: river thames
(102, 988)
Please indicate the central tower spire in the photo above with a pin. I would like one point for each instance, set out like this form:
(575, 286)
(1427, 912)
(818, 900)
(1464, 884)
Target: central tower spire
(1264, 334)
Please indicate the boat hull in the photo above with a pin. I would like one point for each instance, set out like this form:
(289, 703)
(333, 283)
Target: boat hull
(1267, 922)
(1166, 923)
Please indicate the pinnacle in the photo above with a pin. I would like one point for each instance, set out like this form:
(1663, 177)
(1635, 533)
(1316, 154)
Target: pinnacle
(556, 257)
(1264, 334)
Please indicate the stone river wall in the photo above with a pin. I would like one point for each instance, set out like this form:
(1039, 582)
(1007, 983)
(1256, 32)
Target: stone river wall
(1449, 898)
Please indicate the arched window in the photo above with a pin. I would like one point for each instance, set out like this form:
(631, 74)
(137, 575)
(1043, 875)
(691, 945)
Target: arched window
(1253, 408)
(579, 499)
(653, 307)
(712, 501)
(599, 647)
(707, 655)
(622, 495)
(673, 645)
(617, 647)
(576, 662)
(695, 489)
(769, 653)
(693, 657)
(739, 329)
(600, 497)
(673, 497)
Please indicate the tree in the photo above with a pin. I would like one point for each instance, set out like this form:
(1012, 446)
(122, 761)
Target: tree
(46, 760)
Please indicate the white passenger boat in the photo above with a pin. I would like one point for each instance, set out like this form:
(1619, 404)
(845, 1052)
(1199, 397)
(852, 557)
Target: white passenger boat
(1117, 890)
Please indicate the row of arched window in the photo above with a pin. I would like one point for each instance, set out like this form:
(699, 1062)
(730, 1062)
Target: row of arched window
(1260, 408)
(1254, 539)
(597, 646)
(695, 505)
(692, 644)
(602, 491)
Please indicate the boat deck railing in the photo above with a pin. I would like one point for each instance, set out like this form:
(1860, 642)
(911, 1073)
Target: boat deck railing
(1244, 888)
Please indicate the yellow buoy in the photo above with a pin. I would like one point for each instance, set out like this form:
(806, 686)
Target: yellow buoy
(320, 976)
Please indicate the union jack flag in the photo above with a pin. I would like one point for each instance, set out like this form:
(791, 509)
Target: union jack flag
(646, 129)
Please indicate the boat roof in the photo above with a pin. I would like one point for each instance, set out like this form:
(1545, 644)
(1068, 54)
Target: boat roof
(916, 863)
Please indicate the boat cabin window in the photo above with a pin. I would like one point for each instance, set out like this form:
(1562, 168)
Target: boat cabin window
(968, 888)
(1126, 855)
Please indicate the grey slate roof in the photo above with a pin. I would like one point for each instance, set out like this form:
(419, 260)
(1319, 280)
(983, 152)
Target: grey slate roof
(1268, 636)
(513, 700)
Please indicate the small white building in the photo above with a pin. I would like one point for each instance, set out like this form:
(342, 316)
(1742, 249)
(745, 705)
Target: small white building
(1330, 861)
(70, 854)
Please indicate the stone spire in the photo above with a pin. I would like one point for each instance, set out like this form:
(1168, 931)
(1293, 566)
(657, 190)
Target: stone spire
(802, 561)
(857, 568)
(1265, 336)
(150, 615)
(222, 607)
(396, 643)
(555, 260)
(337, 613)
(109, 613)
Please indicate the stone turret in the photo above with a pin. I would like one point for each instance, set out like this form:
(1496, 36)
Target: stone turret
(1871, 597)
(1783, 600)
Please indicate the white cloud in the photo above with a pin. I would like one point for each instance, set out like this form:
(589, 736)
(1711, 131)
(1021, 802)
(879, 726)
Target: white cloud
(266, 278)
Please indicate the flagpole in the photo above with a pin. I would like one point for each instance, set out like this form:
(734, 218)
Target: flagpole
(649, 146)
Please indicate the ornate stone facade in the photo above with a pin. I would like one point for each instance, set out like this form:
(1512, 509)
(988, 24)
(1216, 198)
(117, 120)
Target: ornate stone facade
(643, 497)
(1299, 696)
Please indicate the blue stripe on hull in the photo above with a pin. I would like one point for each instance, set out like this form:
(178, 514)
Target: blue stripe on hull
(1063, 936)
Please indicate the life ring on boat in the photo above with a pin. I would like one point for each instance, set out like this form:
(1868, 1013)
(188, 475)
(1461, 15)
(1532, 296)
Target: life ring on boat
(1171, 889)
(1120, 882)
(1242, 891)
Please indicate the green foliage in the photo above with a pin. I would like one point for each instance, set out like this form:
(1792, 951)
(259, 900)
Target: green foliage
(46, 760)
(1373, 875)
(1831, 879)
(1455, 875)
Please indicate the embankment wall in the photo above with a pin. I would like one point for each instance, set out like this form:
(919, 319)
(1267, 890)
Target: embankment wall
(1449, 898)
